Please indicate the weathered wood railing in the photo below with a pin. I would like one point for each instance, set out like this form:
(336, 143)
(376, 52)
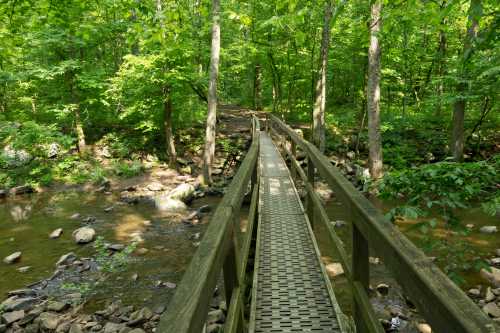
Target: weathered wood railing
(223, 248)
(439, 300)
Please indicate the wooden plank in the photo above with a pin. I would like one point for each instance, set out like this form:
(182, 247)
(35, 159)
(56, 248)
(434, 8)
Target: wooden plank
(188, 308)
(233, 320)
(367, 317)
(310, 180)
(441, 302)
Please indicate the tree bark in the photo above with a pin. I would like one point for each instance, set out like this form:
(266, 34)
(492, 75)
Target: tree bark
(209, 152)
(373, 94)
(441, 69)
(457, 139)
(167, 123)
(82, 146)
(257, 88)
(320, 92)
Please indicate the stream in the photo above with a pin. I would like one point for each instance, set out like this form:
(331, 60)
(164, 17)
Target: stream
(27, 221)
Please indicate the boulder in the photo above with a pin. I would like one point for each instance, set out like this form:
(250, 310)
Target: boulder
(489, 229)
(12, 258)
(66, 259)
(48, 321)
(84, 235)
(23, 269)
(63, 327)
(56, 233)
(140, 316)
(216, 316)
(113, 327)
(424, 328)
(492, 310)
(14, 157)
(170, 205)
(11, 317)
(155, 186)
(474, 293)
(3, 193)
(75, 328)
(334, 269)
(53, 150)
(495, 261)
(23, 189)
(136, 330)
(57, 306)
(183, 192)
(116, 247)
(489, 296)
(493, 277)
(15, 303)
(22, 292)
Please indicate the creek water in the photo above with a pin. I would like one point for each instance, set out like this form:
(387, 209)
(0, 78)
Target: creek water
(27, 221)
(482, 245)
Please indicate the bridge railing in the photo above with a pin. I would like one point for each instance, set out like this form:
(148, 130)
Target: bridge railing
(224, 248)
(445, 307)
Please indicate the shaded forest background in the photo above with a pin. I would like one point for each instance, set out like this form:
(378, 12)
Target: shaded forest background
(122, 73)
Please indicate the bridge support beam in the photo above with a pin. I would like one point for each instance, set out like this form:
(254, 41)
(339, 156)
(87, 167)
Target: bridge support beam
(309, 202)
(360, 273)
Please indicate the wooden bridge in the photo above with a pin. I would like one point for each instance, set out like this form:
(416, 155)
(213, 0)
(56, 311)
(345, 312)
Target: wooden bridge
(273, 278)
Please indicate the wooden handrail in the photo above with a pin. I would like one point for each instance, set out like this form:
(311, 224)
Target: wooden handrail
(218, 251)
(440, 301)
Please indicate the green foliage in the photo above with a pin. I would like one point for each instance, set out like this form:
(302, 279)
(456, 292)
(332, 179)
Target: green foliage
(492, 207)
(127, 169)
(442, 187)
(111, 262)
(84, 288)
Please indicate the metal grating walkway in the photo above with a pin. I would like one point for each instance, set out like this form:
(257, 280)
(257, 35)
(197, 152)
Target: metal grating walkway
(290, 289)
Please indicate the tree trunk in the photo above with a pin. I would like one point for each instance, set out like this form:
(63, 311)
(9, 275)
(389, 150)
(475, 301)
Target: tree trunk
(373, 94)
(167, 123)
(80, 134)
(457, 140)
(209, 152)
(257, 88)
(441, 69)
(82, 146)
(320, 93)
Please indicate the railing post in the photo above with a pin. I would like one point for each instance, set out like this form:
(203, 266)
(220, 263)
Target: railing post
(267, 123)
(309, 201)
(231, 268)
(294, 154)
(360, 272)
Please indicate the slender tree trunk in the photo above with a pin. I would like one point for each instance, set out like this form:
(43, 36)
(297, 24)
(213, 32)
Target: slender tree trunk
(209, 152)
(441, 70)
(457, 140)
(82, 146)
(167, 123)
(257, 87)
(80, 134)
(373, 93)
(320, 93)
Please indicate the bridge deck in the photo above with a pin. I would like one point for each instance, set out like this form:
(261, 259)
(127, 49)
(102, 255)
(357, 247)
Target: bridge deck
(291, 291)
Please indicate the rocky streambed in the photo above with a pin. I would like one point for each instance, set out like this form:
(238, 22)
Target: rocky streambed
(106, 259)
